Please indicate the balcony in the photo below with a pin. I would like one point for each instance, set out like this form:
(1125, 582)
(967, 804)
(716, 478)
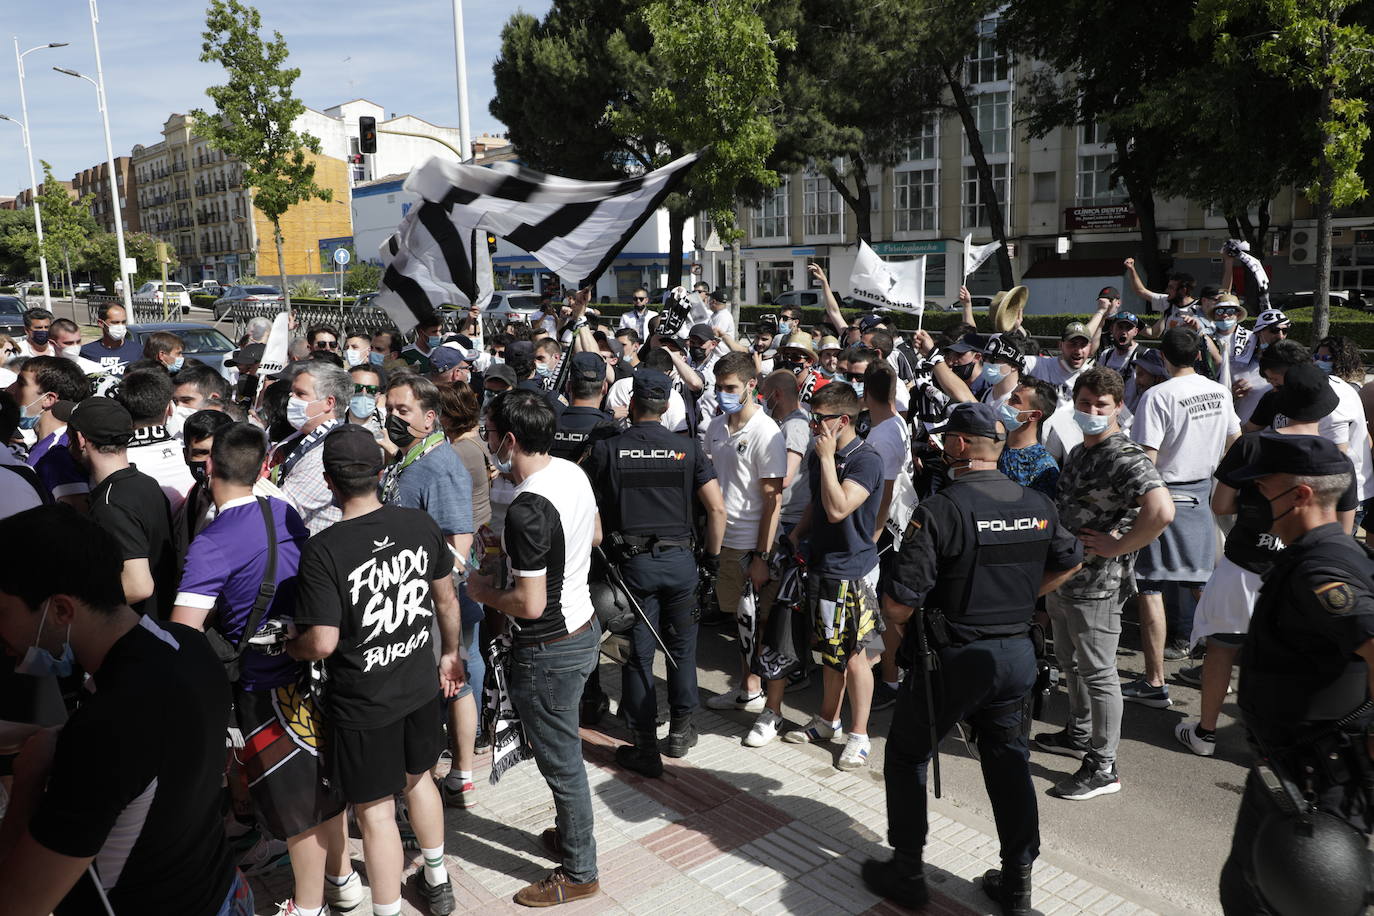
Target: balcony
(178, 167)
(182, 195)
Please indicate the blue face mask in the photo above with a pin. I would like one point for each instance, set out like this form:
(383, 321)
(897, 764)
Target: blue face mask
(374, 358)
(1225, 324)
(362, 406)
(42, 663)
(177, 364)
(1092, 424)
(858, 389)
(543, 370)
(502, 465)
(433, 342)
(1326, 365)
(994, 372)
(730, 403)
(1010, 416)
(29, 422)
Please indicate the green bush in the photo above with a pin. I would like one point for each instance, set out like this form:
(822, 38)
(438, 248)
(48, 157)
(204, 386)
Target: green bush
(7, 290)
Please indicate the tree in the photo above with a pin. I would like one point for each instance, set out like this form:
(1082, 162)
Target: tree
(850, 95)
(255, 113)
(102, 258)
(18, 244)
(67, 223)
(362, 277)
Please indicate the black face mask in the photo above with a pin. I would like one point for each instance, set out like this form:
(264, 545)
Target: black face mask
(1257, 513)
(965, 371)
(398, 431)
(200, 472)
(698, 354)
(795, 366)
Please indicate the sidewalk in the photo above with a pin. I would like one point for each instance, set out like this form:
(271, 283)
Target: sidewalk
(726, 830)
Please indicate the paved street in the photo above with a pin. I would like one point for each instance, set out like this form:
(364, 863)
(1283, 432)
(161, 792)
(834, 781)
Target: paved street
(780, 830)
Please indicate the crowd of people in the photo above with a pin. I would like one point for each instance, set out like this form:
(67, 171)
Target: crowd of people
(321, 578)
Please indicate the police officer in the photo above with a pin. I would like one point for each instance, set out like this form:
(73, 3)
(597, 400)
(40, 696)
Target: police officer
(583, 421)
(975, 556)
(645, 480)
(1307, 665)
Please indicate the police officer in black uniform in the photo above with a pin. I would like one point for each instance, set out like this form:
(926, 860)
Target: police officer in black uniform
(583, 421)
(1306, 673)
(975, 556)
(645, 480)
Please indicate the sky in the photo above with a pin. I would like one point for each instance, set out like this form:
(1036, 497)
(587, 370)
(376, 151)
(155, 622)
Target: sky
(398, 54)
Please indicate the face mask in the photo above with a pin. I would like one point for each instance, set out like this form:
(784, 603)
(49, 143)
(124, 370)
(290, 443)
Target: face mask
(730, 403)
(182, 412)
(497, 359)
(433, 342)
(1092, 424)
(26, 421)
(965, 371)
(1264, 345)
(698, 354)
(40, 662)
(1225, 324)
(858, 388)
(502, 465)
(1258, 512)
(1326, 365)
(117, 332)
(72, 352)
(1010, 417)
(177, 364)
(353, 358)
(39, 338)
(398, 431)
(785, 328)
(200, 472)
(362, 406)
(296, 412)
(995, 373)
(374, 358)
(795, 366)
(826, 373)
(543, 370)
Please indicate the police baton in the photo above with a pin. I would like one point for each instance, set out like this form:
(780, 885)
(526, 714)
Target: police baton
(614, 574)
(927, 663)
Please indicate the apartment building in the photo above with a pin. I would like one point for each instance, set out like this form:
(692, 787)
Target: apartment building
(95, 181)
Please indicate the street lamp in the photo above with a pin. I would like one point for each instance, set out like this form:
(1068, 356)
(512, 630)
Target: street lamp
(28, 150)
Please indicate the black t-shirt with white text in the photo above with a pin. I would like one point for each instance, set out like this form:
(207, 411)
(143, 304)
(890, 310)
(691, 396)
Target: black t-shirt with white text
(370, 577)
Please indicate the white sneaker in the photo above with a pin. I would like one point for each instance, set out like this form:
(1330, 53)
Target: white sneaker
(267, 854)
(765, 729)
(815, 731)
(738, 701)
(1186, 733)
(346, 897)
(289, 909)
(855, 754)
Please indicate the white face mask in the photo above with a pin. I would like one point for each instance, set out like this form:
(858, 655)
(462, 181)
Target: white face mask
(354, 357)
(117, 332)
(72, 352)
(296, 413)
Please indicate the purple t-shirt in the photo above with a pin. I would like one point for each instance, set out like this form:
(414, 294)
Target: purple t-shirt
(55, 468)
(224, 569)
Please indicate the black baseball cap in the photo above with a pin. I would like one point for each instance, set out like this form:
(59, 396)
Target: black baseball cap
(651, 384)
(250, 355)
(1305, 394)
(519, 348)
(974, 419)
(351, 448)
(703, 331)
(588, 367)
(1152, 362)
(720, 295)
(502, 373)
(1304, 456)
(103, 421)
(969, 343)
(1109, 292)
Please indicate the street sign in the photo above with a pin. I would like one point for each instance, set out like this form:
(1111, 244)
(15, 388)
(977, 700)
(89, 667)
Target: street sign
(341, 256)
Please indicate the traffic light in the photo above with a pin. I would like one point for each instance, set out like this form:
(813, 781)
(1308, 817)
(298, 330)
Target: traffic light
(367, 134)
(491, 242)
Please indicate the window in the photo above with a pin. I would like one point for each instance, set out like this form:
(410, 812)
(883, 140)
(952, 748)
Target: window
(987, 64)
(1044, 187)
(992, 114)
(770, 216)
(924, 145)
(1095, 181)
(914, 203)
(975, 214)
(1092, 134)
(822, 208)
(775, 278)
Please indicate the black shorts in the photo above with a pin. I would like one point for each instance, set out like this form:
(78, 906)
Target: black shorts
(372, 763)
(281, 758)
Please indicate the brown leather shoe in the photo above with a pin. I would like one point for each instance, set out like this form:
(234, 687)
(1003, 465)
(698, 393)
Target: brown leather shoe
(556, 889)
(549, 839)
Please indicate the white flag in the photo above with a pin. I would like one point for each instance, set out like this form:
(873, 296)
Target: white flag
(274, 356)
(900, 285)
(975, 255)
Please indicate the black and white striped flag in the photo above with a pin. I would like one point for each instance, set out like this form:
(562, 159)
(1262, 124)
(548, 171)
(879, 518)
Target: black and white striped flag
(573, 228)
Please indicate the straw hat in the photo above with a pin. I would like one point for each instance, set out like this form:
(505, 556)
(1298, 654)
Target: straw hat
(1228, 300)
(1007, 308)
(829, 343)
(799, 340)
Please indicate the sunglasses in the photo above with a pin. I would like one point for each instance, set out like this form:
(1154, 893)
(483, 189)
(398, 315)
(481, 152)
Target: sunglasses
(326, 345)
(373, 390)
(641, 298)
(818, 418)
(1225, 312)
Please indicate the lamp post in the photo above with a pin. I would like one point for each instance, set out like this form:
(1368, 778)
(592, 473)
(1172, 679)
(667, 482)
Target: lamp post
(28, 150)
(461, 59)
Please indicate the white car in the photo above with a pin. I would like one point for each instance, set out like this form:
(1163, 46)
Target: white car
(178, 298)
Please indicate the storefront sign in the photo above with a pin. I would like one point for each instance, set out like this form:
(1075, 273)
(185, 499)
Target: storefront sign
(1114, 216)
(887, 249)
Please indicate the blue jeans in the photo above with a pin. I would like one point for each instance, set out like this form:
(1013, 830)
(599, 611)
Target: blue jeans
(477, 665)
(546, 683)
(664, 584)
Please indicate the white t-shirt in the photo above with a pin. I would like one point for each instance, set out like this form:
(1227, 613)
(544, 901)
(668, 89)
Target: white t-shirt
(1060, 433)
(639, 322)
(157, 453)
(674, 419)
(796, 433)
(561, 496)
(1054, 371)
(26, 348)
(903, 392)
(892, 440)
(723, 320)
(1174, 315)
(1346, 426)
(1187, 419)
(742, 459)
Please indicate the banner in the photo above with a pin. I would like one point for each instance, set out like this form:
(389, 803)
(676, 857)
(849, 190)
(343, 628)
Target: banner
(975, 255)
(900, 286)
(274, 356)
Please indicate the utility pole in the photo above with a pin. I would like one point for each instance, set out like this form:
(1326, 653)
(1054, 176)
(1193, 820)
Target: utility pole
(460, 53)
(33, 178)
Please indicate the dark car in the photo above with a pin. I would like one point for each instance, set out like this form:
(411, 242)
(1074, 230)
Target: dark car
(12, 316)
(237, 296)
(200, 341)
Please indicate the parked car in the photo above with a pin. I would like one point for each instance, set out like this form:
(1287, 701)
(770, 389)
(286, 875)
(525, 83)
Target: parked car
(12, 316)
(201, 341)
(208, 288)
(1339, 298)
(511, 305)
(178, 298)
(237, 296)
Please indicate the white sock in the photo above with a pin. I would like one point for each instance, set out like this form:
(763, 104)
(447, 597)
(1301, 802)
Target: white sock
(387, 909)
(835, 726)
(892, 684)
(309, 911)
(862, 735)
(456, 779)
(337, 881)
(435, 872)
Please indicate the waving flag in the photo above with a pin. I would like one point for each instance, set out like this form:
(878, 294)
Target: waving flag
(975, 255)
(895, 285)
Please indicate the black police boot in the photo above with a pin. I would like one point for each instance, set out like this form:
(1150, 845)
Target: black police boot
(682, 735)
(642, 756)
(901, 879)
(1011, 887)
(594, 703)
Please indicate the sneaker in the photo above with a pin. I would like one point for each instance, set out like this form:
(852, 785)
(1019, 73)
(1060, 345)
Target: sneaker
(1140, 691)
(855, 753)
(266, 855)
(438, 897)
(738, 701)
(682, 737)
(1176, 650)
(483, 742)
(346, 897)
(814, 731)
(765, 729)
(1089, 782)
(797, 680)
(1060, 743)
(1187, 735)
(464, 796)
(883, 696)
(289, 908)
(556, 889)
(1190, 676)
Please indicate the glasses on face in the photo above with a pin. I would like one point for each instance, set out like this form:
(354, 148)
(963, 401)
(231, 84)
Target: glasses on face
(373, 390)
(818, 418)
(1225, 312)
(641, 298)
(853, 376)
(326, 345)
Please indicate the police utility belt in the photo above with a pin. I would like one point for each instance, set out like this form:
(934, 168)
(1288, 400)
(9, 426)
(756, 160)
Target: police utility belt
(944, 633)
(622, 547)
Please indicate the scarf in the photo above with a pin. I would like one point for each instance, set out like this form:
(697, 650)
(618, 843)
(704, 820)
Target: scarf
(391, 481)
(303, 445)
(509, 745)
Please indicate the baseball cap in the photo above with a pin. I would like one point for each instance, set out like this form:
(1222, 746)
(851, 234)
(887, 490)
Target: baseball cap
(975, 419)
(1271, 318)
(1209, 292)
(501, 373)
(1075, 329)
(1109, 292)
(869, 322)
(517, 349)
(351, 448)
(1129, 317)
(250, 355)
(445, 358)
(1152, 362)
(703, 331)
(969, 343)
(720, 295)
(588, 367)
(103, 421)
(1306, 394)
(1304, 456)
(651, 384)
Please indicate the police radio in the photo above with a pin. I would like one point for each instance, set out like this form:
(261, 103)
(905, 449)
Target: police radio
(676, 308)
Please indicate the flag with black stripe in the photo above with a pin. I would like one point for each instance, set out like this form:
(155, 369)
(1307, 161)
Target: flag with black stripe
(573, 228)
